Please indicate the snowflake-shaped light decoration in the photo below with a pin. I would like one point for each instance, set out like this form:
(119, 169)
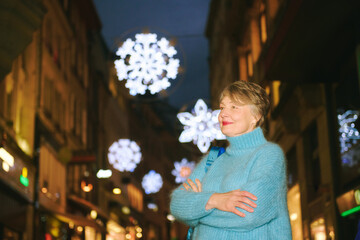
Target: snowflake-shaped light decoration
(347, 131)
(152, 182)
(146, 63)
(124, 155)
(201, 126)
(182, 170)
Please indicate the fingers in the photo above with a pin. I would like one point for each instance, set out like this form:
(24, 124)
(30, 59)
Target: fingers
(245, 207)
(249, 195)
(248, 202)
(245, 197)
(189, 184)
(186, 186)
(237, 212)
(198, 184)
(192, 185)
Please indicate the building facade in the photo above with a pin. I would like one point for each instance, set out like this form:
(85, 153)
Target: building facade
(305, 54)
(61, 108)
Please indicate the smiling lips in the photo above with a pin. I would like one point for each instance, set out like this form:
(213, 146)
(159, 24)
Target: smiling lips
(224, 123)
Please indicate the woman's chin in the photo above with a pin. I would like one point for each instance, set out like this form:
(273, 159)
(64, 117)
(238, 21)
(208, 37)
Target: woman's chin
(227, 133)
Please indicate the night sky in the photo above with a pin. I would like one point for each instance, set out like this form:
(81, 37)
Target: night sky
(182, 20)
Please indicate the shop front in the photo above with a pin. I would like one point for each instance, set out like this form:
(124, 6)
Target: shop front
(16, 195)
(349, 208)
(59, 226)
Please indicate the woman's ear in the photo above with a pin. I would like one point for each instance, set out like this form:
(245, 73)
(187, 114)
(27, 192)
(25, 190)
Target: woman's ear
(255, 115)
(256, 120)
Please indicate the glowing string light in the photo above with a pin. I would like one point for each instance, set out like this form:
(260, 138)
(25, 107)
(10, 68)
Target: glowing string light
(201, 126)
(348, 133)
(146, 63)
(348, 136)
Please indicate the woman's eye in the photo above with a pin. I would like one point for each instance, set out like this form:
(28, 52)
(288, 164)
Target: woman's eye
(221, 108)
(234, 107)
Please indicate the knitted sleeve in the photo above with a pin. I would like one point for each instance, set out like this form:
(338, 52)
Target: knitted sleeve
(189, 206)
(267, 181)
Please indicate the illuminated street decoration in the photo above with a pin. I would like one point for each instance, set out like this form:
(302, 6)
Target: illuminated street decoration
(86, 185)
(86, 182)
(146, 63)
(102, 173)
(201, 126)
(348, 136)
(153, 206)
(116, 191)
(182, 170)
(124, 155)
(152, 182)
(170, 217)
(348, 133)
(93, 214)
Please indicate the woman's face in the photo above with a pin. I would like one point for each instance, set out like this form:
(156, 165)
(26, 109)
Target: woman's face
(235, 119)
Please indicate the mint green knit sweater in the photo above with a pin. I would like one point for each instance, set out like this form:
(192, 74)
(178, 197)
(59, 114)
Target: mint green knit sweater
(252, 164)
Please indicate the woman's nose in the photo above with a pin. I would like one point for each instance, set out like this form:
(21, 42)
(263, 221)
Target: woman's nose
(223, 113)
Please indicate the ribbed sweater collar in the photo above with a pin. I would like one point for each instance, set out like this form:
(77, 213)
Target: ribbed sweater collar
(245, 141)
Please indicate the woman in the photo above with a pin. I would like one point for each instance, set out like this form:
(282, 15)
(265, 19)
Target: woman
(243, 193)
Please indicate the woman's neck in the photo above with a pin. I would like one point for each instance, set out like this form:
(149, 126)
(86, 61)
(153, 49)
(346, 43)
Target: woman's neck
(247, 140)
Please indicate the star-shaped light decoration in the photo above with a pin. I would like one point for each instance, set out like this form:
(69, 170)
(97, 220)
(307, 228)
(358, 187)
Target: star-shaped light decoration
(124, 155)
(152, 182)
(182, 170)
(201, 126)
(146, 63)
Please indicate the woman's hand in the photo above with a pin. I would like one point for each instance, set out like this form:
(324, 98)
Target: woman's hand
(229, 202)
(191, 185)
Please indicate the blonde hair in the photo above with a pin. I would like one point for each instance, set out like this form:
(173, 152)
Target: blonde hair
(249, 93)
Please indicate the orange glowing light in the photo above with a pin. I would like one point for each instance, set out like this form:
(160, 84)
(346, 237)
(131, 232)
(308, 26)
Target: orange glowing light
(86, 187)
(185, 172)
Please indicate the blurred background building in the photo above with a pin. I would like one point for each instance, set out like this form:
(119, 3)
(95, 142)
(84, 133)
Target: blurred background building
(306, 55)
(62, 107)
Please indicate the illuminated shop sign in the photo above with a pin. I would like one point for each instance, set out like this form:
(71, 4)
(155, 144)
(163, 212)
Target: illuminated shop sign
(23, 177)
(349, 202)
(7, 158)
(16, 172)
(357, 196)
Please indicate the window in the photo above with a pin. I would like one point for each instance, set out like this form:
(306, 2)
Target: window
(52, 176)
(135, 197)
(48, 35)
(249, 61)
(263, 30)
(48, 97)
(9, 89)
(292, 171)
(8, 105)
(311, 154)
(275, 93)
(74, 120)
